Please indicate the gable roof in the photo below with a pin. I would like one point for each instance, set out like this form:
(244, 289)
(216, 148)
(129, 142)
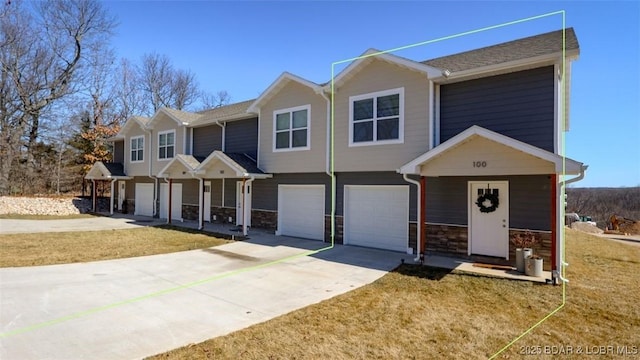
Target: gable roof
(228, 112)
(371, 54)
(106, 171)
(139, 120)
(567, 165)
(188, 162)
(180, 117)
(525, 48)
(242, 165)
(278, 84)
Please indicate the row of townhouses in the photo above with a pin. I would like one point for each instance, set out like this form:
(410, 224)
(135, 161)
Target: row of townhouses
(451, 155)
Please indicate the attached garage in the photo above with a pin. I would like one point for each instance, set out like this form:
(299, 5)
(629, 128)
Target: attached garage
(377, 216)
(301, 211)
(144, 200)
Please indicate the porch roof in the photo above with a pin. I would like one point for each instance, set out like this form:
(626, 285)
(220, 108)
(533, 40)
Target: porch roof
(180, 167)
(481, 152)
(221, 165)
(107, 171)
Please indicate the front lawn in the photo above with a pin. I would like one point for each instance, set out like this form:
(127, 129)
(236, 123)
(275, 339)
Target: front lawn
(424, 313)
(72, 247)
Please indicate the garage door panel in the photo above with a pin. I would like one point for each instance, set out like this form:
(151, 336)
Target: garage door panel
(301, 211)
(377, 216)
(144, 199)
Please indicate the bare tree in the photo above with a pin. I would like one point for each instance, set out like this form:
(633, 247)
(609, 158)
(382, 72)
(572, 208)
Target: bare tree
(210, 101)
(165, 86)
(42, 58)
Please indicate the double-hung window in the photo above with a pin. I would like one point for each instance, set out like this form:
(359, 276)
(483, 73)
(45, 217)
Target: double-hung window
(137, 149)
(291, 128)
(166, 144)
(377, 118)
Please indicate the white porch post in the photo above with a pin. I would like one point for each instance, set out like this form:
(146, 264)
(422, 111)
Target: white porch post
(201, 205)
(111, 201)
(94, 193)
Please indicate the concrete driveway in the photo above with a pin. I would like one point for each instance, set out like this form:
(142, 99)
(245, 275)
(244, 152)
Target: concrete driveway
(132, 308)
(10, 226)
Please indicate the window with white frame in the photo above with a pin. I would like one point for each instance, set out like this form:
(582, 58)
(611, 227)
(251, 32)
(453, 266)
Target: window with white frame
(376, 118)
(166, 144)
(137, 149)
(291, 128)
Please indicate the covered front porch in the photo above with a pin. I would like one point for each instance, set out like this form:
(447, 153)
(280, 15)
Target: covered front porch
(217, 166)
(106, 172)
(480, 189)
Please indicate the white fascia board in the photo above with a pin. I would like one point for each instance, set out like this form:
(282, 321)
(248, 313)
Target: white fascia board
(368, 56)
(277, 85)
(413, 167)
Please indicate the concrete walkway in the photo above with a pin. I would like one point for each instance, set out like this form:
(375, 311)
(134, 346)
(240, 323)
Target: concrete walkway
(133, 308)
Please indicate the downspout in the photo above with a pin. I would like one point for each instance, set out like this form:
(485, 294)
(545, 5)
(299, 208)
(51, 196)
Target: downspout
(419, 235)
(150, 176)
(563, 184)
(224, 130)
(245, 182)
(328, 169)
(111, 202)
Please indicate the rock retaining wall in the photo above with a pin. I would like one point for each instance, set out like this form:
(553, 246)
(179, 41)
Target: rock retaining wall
(49, 206)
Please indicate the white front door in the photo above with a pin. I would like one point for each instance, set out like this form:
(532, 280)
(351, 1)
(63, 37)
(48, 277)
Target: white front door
(121, 194)
(242, 202)
(207, 201)
(176, 201)
(488, 223)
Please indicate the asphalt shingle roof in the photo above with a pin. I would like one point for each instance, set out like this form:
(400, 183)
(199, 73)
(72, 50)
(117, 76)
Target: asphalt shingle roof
(189, 160)
(223, 112)
(245, 162)
(524, 48)
(116, 169)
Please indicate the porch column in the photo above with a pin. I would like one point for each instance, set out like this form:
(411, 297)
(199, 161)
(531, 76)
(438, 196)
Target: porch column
(94, 195)
(201, 205)
(554, 219)
(244, 207)
(170, 202)
(111, 200)
(423, 217)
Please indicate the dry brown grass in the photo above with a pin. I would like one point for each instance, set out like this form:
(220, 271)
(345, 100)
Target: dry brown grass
(71, 247)
(424, 313)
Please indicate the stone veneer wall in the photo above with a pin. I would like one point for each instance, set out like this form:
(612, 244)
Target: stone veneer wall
(453, 240)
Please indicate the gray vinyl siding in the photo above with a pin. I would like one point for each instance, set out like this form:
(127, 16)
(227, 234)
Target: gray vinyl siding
(529, 200)
(373, 178)
(190, 193)
(216, 192)
(242, 137)
(118, 152)
(265, 192)
(519, 105)
(230, 193)
(206, 140)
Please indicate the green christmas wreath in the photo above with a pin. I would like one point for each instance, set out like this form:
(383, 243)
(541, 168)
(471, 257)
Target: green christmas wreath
(493, 198)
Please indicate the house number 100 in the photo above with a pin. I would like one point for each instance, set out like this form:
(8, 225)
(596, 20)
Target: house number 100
(478, 164)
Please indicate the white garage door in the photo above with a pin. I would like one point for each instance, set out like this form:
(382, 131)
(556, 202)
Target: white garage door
(377, 216)
(301, 211)
(176, 200)
(144, 200)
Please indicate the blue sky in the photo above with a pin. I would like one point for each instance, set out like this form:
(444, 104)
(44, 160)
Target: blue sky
(241, 47)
